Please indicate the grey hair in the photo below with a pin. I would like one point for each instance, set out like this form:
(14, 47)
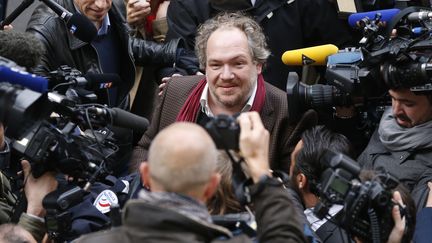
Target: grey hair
(256, 38)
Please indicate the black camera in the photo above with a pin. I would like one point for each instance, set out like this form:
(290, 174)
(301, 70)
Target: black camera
(225, 132)
(367, 205)
(359, 77)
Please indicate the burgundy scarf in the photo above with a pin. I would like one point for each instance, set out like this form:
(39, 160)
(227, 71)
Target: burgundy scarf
(191, 107)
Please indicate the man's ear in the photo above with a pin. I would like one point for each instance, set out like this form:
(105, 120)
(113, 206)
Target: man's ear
(145, 173)
(211, 186)
(259, 67)
(301, 181)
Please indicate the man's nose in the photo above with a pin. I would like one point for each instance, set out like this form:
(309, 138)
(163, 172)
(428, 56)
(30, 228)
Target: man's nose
(227, 72)
(396, 108)
(101, 3)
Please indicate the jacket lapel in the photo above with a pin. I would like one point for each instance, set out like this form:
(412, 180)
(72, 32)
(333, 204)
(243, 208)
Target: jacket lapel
(266, 114)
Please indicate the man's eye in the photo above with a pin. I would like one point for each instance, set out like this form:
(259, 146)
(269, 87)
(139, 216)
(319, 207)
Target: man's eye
(409, 105)
(214, 65)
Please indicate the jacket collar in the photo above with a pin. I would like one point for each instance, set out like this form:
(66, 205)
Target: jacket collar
(375, 147)
(114, 12)
(163, 217)
(264, 8)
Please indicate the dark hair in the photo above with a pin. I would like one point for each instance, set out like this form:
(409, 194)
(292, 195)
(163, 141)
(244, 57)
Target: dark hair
(316, 141)
(22, 48)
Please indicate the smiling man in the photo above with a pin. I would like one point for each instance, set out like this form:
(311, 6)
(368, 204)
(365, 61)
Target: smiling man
(402, 144)
(112, 51)
(232, 50)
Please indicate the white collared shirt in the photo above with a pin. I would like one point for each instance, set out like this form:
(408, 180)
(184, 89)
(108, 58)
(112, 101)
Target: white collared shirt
(315, 222)
(206, 108)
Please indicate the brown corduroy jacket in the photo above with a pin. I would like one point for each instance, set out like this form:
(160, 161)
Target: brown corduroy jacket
(274, 115)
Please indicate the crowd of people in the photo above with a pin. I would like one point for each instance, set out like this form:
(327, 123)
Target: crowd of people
(184, 64)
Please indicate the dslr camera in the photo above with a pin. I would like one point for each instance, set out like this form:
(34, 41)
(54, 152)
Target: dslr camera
(225, 132)
(367, 205)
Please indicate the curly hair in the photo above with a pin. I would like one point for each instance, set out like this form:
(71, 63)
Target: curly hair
(256, 38)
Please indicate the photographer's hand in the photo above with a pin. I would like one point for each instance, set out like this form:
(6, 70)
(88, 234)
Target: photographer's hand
(399, 222)
(429, 199)
(36, 189)
(254, 144)
(2, 137)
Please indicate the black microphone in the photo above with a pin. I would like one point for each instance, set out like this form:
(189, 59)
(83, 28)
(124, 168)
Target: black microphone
(122, 118)
(96, 81)
(80, 26)
(11, 17)
(90, 81)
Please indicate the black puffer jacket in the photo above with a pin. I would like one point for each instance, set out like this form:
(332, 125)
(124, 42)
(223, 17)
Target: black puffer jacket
(62, 48)
(288, 25)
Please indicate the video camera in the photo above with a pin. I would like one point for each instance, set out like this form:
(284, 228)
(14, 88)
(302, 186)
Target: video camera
(359, 77)
(346, 7)
(57, 133)
(367, 205)
(54, 131)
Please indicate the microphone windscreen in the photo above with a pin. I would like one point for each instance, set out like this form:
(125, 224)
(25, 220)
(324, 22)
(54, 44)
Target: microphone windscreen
(82, 28)
(315, 55)
(386, 16)
(30, 81)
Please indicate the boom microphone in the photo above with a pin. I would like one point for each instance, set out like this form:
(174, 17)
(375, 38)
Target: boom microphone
(28, 80)
(315, 55)
(80, 26)
(386, 16)
(11, 17)
(125, 119)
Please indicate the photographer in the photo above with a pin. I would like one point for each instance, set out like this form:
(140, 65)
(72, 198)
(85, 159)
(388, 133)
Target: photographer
(180, 203)
(403, 141)
(305, 173)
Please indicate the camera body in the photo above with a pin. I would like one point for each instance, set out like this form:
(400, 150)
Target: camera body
(367, 205)
(225, 132)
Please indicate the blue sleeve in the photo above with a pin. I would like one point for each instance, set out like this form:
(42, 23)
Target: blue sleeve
(423, 232)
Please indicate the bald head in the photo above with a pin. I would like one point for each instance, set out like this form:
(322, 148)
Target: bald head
(14, 233)
(182, 157)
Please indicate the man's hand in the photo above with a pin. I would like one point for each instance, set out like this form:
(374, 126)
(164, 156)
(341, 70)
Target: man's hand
(2, 137)
(8, 27)
(36, 189)
(137, 11)
(254, 144)
(429, 199)
(399, 222)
